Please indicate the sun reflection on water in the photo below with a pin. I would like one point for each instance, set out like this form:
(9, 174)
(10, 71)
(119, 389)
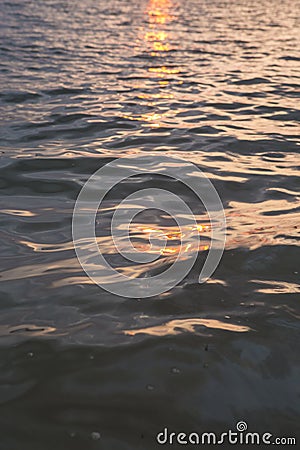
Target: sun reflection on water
(187, 325)
(170, 240)
(157, 41)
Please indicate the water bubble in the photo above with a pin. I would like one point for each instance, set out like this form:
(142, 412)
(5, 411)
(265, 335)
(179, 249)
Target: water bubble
(95, 435)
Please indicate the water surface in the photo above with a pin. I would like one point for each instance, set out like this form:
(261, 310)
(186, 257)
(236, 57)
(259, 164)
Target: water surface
(213, 82)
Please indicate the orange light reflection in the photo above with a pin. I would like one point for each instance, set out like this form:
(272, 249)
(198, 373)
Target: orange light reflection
(178, 326)
(156, 38)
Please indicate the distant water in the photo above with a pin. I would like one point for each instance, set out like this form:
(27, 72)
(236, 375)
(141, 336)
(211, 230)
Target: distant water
(82, 82)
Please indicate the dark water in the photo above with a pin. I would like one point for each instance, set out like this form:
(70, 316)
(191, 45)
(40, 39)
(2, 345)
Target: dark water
(216, 83)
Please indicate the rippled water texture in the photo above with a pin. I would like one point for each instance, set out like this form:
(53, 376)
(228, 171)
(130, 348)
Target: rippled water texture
(213, 82)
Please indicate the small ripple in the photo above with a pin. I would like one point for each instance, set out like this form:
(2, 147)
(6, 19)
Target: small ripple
(19, 97)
